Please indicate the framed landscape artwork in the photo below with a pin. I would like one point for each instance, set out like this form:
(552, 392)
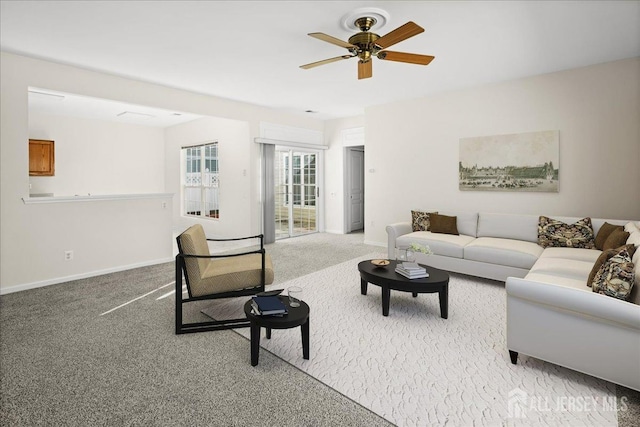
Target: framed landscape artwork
(515, 162)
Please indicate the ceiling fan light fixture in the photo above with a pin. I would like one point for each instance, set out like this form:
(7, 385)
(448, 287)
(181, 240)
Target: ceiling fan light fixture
(365, 45)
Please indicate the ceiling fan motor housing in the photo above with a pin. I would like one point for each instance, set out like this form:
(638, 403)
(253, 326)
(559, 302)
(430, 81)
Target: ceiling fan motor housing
(365, 40)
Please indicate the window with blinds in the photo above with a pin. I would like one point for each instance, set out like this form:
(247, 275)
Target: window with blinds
(201, 181)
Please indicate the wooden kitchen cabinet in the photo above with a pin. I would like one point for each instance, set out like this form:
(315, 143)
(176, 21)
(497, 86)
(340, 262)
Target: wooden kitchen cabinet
(41, 157)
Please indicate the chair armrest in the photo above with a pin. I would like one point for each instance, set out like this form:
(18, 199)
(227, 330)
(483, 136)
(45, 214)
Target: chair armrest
(393, 232)
(258, 236)
(257, 251)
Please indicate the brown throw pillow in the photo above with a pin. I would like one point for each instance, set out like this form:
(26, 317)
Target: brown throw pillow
(604, 232)
(420, 220)
(444, 224)
(616, 239)
(555, 233)
(615, 276)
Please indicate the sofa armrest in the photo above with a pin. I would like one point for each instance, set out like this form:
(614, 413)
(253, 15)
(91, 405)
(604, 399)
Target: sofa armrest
(393, 232)
(575, 300)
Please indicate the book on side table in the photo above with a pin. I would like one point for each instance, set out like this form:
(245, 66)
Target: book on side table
(411, 270)
(268, 306)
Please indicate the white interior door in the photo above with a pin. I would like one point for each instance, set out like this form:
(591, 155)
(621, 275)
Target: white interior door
(356, 189)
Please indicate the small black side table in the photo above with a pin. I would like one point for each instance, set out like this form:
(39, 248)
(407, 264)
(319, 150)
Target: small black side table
(297, 316)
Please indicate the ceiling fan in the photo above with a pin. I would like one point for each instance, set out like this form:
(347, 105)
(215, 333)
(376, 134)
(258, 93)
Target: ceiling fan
(365, 45)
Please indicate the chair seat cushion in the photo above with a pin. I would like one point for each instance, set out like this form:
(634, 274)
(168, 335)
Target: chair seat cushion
(232, 274)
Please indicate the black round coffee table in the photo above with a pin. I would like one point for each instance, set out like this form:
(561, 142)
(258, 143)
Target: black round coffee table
(296, 316)
(388, 279)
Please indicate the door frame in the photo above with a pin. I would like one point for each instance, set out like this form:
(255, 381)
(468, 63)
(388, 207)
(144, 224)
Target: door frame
(319, 184)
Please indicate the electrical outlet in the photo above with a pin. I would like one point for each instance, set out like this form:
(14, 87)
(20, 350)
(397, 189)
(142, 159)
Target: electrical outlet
(164, 205)
(68, 255)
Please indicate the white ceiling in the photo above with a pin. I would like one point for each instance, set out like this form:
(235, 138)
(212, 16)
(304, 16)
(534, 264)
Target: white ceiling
(251, 51)
(66, 104)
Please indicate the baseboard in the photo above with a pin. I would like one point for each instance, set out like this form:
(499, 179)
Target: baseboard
(334, 231)
(40, 284)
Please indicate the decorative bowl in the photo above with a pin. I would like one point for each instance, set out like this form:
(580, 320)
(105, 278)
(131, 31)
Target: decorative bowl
(380, 262)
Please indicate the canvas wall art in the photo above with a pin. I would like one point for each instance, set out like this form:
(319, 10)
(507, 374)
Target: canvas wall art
(515, 162)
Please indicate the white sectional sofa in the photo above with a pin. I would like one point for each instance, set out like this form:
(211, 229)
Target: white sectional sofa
(551, 312)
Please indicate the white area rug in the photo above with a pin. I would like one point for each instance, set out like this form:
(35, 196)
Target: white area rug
(416, 369)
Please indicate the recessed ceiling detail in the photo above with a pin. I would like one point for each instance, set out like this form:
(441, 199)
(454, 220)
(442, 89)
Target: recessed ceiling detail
(379, 15)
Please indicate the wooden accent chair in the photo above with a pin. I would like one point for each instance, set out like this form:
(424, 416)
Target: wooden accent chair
(217, 276)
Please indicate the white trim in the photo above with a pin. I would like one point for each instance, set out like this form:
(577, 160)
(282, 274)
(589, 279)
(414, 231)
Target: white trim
(89, 198)
(290, 143)
(352, 137)
(40, 284)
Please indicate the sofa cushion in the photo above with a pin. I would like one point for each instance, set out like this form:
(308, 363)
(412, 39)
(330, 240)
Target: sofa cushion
(441, 244)
(604, 232)
(508, 226)
(634, 238)
(615, 276)
(443, 224)
(589, 255)
(631, 226)
(420, 220)
(553, 279)
(509, 252)
(553, 232)
(561, 267)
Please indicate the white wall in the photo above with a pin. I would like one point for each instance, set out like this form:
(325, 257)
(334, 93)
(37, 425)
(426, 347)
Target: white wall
(99, 157)
(413, 146)
(33, 238)
(334, 172)
(234, 148)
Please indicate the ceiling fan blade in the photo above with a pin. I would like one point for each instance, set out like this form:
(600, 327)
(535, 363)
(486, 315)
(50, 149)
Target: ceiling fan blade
(401, 33)
(365, 69)
(411, 58)
(330, 39)
(325, 61)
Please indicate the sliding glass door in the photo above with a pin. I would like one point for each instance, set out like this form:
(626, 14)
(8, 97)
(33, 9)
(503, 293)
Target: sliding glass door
(295, 192)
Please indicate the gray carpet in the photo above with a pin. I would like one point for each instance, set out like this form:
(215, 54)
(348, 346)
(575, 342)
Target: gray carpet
(62, 363)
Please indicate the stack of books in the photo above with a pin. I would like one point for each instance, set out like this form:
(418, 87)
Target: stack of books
(268, 306)
(411, 270)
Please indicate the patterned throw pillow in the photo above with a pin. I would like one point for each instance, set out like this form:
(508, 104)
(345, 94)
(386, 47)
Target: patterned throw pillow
(604, 257)
(615, 277)
(554, 233)
(420, 220)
